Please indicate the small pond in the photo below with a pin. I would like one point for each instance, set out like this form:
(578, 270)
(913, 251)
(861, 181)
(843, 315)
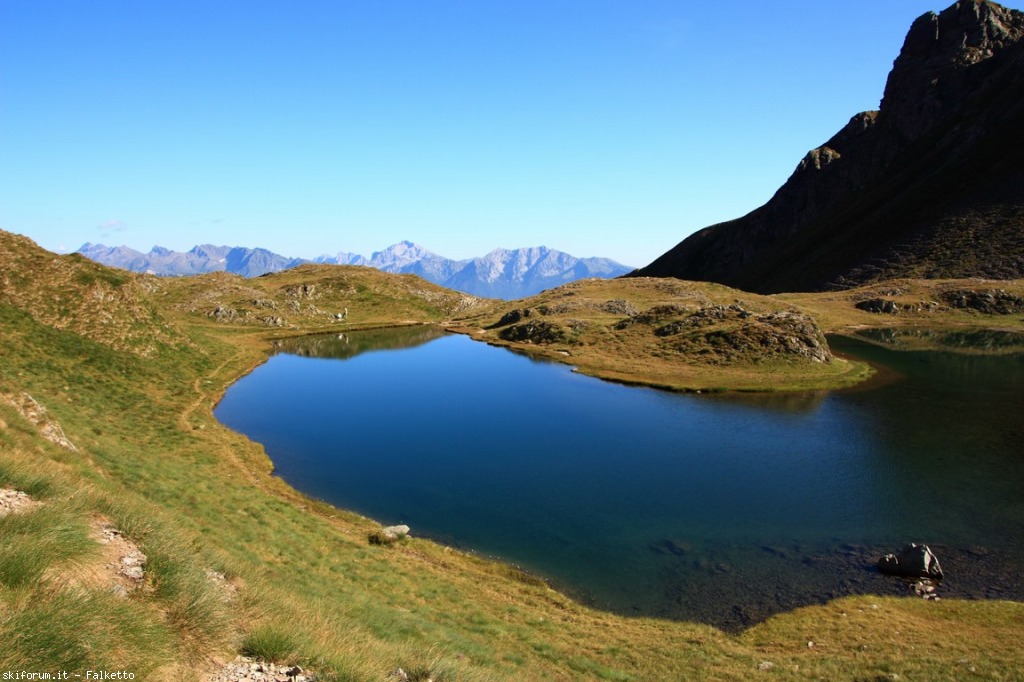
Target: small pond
(719, 508)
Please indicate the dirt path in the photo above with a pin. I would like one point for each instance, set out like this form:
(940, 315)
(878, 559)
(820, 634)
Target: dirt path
(201, 395)
(204, 396)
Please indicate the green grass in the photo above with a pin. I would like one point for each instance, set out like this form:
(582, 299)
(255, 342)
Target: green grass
(306, 585)
(23, 477)
(35, 540)
(269, 643)
(44, 630)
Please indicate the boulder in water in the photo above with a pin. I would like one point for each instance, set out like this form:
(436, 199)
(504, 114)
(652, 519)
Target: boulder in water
(915, 561)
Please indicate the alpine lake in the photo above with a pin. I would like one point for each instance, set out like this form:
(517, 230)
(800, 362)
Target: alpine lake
(719, 508)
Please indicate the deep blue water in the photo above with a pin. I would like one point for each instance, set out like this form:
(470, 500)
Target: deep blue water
(722, 508)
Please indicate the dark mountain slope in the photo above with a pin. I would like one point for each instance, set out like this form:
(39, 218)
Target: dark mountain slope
(931, 185)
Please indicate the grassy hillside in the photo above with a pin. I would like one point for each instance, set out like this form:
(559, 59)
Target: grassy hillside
(107, 382)
(672, 334)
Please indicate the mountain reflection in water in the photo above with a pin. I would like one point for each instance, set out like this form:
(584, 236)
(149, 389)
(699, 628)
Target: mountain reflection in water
(969, 340)
(344, 345)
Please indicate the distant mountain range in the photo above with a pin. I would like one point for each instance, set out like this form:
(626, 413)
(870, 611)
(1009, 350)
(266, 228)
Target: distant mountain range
(502, 273)
(930, 185)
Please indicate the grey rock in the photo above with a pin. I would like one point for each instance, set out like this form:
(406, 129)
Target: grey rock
(34, 412)
(539, 332)
(914, 561)
(511, 317)
(300, 291)
(988, 301)
(397, 532)
(620, 307)
(133, 572)
(389, 535)
(223, 314)
(925, 589)
(878, 305)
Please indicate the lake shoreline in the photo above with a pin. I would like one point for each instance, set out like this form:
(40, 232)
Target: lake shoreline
(856, 569)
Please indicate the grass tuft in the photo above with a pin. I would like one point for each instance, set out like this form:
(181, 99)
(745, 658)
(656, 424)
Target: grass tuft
(78, 631)
(22, 477)
(37, 539)
(267, 643)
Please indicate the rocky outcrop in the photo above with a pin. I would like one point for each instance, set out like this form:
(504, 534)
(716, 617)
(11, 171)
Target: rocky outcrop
(12, 500)
(726, 334)
(244, 669)
(935, 68)
(654, 315)
(878, 305)
(987, 301)
(612, 307)
(29, 408)
(301, 291)
(781, 335)
(535, 331)
(512, 317)
(928, 186)
(223, 314)
(619, 306)
(126, 563)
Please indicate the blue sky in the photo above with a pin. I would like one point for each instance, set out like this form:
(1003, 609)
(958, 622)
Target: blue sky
(598, 127)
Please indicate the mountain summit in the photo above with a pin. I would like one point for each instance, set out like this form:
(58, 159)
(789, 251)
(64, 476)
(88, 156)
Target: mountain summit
(930, 185)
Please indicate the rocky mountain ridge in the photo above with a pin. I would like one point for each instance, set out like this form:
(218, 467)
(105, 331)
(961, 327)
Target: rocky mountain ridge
(199, 260)
(502, 273)
(930, 185)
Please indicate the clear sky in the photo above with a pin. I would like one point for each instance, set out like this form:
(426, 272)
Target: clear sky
(598, 127)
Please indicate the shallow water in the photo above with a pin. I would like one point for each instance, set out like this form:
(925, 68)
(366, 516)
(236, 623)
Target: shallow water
(723, 509)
